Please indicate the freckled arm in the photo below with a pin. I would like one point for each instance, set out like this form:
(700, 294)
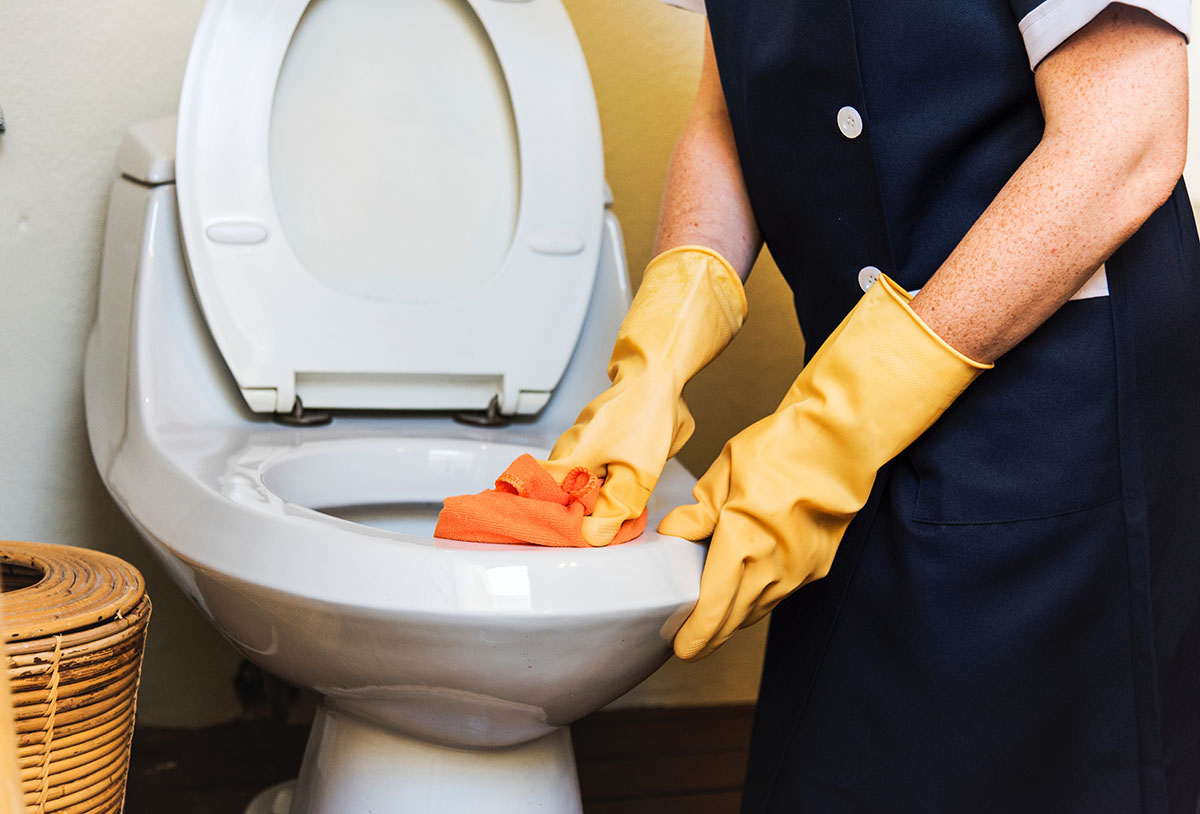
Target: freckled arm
(1114, 97)
(705, 202)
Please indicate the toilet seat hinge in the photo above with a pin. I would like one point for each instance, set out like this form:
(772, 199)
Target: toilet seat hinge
(491, 418)
(299, 417)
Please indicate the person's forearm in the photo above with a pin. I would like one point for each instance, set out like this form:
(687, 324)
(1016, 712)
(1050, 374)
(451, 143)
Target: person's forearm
(1115, 98)
(705, 201)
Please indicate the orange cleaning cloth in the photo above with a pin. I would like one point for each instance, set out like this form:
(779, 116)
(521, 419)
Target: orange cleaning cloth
(529, 506)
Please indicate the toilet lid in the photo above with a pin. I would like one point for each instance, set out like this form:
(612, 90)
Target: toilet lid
(390, 204)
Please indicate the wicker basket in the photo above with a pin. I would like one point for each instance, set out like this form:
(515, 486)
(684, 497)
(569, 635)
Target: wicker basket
(74, 632)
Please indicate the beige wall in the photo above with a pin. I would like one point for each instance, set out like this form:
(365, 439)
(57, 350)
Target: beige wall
(73, 75)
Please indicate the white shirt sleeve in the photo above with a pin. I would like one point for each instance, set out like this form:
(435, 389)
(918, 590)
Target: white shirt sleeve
(1050, 23)
(687, 5)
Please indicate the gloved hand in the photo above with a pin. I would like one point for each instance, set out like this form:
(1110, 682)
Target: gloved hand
(688, 308)
(780, 496)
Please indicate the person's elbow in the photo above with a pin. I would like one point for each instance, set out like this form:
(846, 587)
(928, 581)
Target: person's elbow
(1127, 173)
(1154, 171)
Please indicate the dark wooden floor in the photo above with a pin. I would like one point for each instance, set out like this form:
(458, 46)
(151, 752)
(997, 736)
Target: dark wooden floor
(661, 761)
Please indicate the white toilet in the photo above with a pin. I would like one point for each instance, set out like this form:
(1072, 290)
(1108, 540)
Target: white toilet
(394, 211)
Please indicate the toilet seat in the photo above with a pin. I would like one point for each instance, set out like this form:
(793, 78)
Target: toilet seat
(285, 333)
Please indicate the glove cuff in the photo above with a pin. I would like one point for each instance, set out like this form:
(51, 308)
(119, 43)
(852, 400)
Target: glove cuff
(727, 286)
(903, 298)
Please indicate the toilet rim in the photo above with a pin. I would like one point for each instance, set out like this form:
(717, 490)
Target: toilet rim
(383, 470)
(236, 529)
(319, 476)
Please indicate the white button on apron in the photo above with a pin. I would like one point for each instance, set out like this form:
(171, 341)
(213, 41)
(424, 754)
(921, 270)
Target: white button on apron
(849, 122)
(867, 277)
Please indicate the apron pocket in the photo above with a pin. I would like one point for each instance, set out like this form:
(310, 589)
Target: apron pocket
(1034, 437)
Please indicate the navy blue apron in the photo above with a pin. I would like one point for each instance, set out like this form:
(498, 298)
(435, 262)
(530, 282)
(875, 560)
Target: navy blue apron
(1013, 621)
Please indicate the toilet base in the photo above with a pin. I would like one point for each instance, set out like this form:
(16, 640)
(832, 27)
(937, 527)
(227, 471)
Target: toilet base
(353, 767)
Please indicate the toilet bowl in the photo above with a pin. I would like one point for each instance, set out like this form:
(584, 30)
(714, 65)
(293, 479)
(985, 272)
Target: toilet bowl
(447, 671)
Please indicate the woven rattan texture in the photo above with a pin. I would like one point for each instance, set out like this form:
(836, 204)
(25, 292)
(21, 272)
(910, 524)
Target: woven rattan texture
(75, 629)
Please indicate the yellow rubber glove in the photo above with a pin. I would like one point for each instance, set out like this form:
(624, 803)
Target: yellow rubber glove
(780, 496)
(688, 308)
